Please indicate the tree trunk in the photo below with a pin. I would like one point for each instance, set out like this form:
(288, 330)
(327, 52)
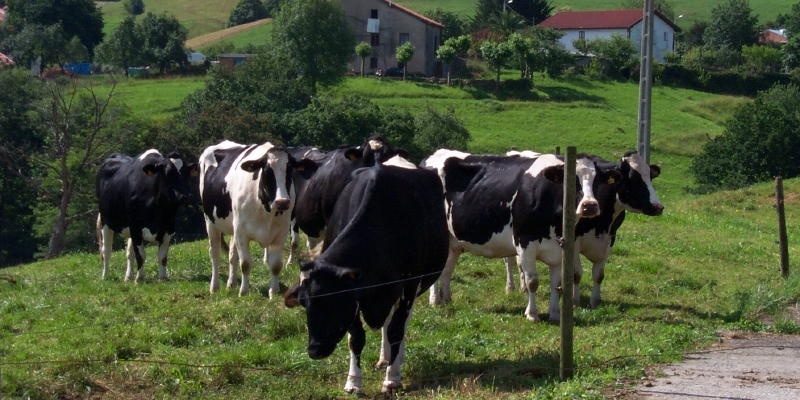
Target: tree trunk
(362, 67)
(449, 66)
(60, 228)
(497, 82)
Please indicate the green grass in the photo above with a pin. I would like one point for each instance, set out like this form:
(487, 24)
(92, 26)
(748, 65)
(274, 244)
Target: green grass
(197, 16)
(709, 263)
(155, 99)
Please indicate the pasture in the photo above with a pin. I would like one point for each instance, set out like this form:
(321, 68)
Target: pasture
(709, 263)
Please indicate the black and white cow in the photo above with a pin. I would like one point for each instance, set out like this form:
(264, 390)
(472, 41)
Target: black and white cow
(386, 242)
(331, 174)
(501, 206)
(247, 192)
(138, 199)
(634, 193)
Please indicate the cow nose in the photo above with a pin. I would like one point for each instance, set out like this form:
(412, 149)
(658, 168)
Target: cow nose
(282, 204)
(589, 209)
(658, 209)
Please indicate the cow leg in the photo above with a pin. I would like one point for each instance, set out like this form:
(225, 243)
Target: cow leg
(163, 249)
(598, 274)
(527, 261)
(396, 336)
(245, 262)
(356, 340)
(233, 265)
(386, 348)
(440, 290)
(555, 288)
(275, 262)
(294, 244)
(135, 253)
(511, 268)
(214, 245)
(105, 237)
(130, 255)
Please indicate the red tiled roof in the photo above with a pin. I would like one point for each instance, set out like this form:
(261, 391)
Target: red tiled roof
(413, 13)
(3, 11)
(769, 36)
(4, 59)
(605, 19)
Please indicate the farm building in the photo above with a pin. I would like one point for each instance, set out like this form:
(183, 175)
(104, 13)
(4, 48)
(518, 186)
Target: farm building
(602, 24)
(385, 25)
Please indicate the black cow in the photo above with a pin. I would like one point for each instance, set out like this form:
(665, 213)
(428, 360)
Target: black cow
(138, 199)
(386, 243)
(500, 206)
(330, 176)
(312, 158)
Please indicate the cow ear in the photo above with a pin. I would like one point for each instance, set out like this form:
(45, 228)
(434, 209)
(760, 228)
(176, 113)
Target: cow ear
(353, 154)
(194, 170)
(614, 177)
(348, 273)
(290, 298)
(554, 173)
(400, 152)
(655, 171)
(254, 165)
(305, 167)
(152, 169)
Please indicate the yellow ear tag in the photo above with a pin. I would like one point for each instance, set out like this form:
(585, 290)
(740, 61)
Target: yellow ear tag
(611, 180)
(301, 169)
(353, 157)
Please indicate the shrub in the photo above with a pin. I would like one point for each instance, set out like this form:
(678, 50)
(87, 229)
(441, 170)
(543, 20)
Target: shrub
(761, 141)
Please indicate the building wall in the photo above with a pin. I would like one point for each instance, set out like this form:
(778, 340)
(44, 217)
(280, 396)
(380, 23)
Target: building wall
(660, 30)
(393, 23)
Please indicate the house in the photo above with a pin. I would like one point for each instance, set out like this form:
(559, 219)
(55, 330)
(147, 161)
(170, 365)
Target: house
(3, 13)
(385, 25)
(602, 24)
(230, 60)
(776, 36)
(6, 60)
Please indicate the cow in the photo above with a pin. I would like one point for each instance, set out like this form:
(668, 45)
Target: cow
(500, 206)
(138, 199)
(247, 192)
(386, 242)
(300, 178)
(330, 175)
(633, 192)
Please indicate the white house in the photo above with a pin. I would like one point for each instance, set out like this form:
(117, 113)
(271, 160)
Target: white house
(602, 24)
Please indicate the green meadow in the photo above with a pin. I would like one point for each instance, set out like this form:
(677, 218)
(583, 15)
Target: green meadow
(709, 263)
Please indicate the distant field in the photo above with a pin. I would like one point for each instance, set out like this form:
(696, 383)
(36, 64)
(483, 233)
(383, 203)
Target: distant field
(198, 16)
(241, 32)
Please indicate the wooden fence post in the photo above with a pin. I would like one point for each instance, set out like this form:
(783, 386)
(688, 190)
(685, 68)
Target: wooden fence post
(568, 266)
(782, 237)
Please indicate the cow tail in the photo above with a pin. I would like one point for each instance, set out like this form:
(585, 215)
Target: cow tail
(99, 231)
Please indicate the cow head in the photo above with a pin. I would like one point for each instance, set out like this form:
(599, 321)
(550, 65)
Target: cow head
(636, 192)
(329, 297)
(273, 170)
(551, 167)
(374, 150)
(177, 177)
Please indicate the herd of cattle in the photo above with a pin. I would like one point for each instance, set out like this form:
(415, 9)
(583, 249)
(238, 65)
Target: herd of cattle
(382, 229)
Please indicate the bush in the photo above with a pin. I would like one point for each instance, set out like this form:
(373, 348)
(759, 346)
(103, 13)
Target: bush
(761, 141)
(247, 11)
(134, 7)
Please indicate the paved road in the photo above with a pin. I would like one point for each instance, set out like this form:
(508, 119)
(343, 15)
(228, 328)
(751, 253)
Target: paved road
(762, 367)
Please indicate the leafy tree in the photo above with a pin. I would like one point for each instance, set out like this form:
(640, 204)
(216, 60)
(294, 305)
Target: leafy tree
(694, 35)
(19, 135)
(506, 23)
(532, 11)
(47, 42)
(315, 37)
(791, 50)
(761, 58)
(665, 7)
(163, 38)
(447, 54)
(732, 26)
(134, 7)
(524, 50)
(273, 6)
(497, 54)
(453, 24)
(404, 54)
(247, 11)
(81, 18)
(618, 51)
(549, 55)
(760, 141)
(123, 48)
(363, 50)
(439, 130)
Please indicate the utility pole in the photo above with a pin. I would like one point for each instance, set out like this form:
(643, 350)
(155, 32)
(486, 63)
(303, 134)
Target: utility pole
(645, 81)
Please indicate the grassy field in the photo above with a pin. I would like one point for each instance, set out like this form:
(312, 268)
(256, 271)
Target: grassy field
(709, 263)
(241, 32)
(198, 16)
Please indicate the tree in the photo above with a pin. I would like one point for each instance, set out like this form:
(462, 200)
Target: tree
(163, 38)
(45, 43)
(617, 51)
(19, 135)
(134, 7)
(523, 48)
(315, 37)
(123, 48)
(81, 18)
(447, 54)
(732, 26)
(506, 23)
(363, 50)
(497, 54)
(453, 24)
(761, 58)
(404, 54)
(694, 35)
(760, 141)
(532, 11)
(247, 11)
(663, 6)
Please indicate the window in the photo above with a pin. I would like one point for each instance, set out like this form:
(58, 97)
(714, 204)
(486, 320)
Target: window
(374, 39)
(373, 62)
(581, 34)
(373, 13)
(665, 36)
(403, 39)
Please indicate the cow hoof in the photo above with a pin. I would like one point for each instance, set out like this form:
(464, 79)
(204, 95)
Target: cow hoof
(533, 318)
(554, 321)
(390, 388)
(354, 391)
